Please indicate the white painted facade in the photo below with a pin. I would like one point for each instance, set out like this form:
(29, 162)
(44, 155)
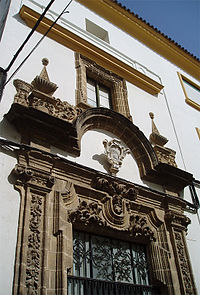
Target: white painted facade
(174, 118)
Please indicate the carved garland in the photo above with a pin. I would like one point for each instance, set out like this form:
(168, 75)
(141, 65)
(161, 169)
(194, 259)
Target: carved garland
(34, 252)
(184, 266)
(87, 213)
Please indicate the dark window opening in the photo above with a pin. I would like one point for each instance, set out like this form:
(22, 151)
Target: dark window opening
(105, 266)
(98, 95)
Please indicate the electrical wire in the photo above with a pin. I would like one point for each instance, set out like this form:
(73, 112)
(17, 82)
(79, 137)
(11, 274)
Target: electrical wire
(29, 36)
(37, 44)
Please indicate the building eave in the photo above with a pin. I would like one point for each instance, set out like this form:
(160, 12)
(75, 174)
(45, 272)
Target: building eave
(146, 34)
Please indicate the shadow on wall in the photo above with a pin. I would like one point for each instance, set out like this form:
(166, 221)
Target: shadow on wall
(102, 161)
(8, 131)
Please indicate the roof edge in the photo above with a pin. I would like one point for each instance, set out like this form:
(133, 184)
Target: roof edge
(145, 33)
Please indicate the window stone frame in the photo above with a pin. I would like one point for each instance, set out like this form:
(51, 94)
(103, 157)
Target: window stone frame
(85, 67)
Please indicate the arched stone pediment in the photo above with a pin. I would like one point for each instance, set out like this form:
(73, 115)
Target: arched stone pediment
(124, 129)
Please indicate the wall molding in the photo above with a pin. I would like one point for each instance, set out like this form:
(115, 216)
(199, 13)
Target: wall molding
(104, 59)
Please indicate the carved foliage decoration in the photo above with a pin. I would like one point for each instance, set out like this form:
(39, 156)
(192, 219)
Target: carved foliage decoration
(184, 265)
(114, 188)
(87, 213)
(139, 228)
(34, 241)
(115, 153)
(116, 212)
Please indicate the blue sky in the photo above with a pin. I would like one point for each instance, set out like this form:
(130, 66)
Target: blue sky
(178, 19)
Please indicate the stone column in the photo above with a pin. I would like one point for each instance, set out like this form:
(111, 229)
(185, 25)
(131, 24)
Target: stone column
(177, 226)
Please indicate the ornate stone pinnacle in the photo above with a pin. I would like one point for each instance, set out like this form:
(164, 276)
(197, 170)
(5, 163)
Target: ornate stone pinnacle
(44, 75)
(155, 137)
(42, 82)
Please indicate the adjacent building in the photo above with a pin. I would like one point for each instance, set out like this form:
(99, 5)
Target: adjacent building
(100, 138)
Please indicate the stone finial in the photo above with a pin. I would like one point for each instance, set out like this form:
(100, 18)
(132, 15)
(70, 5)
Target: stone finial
(44, 73)
(42, 82)
(155, 137)
(115, 153)
(165, 155)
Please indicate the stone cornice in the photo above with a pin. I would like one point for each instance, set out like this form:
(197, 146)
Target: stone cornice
(78, 44)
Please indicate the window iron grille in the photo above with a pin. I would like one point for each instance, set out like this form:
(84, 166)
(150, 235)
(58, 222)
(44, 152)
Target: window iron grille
(105, 266)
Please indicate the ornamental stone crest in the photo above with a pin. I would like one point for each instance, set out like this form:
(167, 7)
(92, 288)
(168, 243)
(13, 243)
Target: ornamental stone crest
(115, 204)
(115, 153)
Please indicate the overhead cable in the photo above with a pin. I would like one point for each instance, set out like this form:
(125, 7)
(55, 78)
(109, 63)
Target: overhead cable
(29, 35)
(49, 29)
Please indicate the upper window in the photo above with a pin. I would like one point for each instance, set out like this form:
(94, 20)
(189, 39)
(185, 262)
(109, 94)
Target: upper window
(98, 87)
(102, 265)
(96, 30)
(191, 91)
(98, 95)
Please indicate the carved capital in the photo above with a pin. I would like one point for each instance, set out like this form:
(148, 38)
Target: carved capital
(177, 220)
(23, 90)
(25, 174)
